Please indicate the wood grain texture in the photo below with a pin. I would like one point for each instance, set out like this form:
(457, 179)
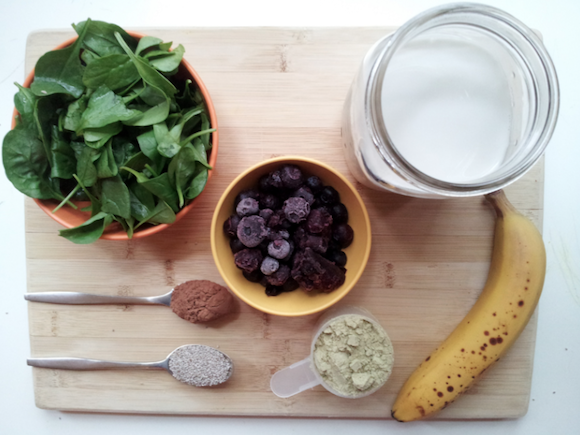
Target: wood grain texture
(277, 91)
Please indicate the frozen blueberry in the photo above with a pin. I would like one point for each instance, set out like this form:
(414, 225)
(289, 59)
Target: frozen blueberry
(343, 235)
(270, 201)
(296, 209)
(236, 246)
(279, 249)
(284, 234)
(279, 277)
(248, 260)
(277, 235)
(318, 220)
(252, 230)
(266, 214)
(269, 265)
(337, 257)
(329, 195)
(314, 184)
(249, 193)
(247, 207)
(339, 213)
(291, 176)
(231, 225)
(274, 181)
(264, 183)
(278, 220)
(255, 276)
(306, 193)
(290, 285)
(289, 256)
(263, 246)
(272, 290)
(334, 245)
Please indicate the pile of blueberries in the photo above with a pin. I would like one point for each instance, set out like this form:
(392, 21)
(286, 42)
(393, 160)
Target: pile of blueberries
(290, 232)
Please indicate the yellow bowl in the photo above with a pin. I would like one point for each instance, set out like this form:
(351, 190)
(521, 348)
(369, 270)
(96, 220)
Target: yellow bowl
(298, 302)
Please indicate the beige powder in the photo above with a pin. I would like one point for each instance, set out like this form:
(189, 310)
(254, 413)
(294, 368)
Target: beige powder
(353, 356)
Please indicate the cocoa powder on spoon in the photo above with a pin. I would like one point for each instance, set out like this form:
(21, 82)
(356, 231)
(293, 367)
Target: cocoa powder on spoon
(200, 301)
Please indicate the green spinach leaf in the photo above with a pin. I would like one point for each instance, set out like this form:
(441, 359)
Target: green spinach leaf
(97, 137)
(89, 231)
(153, 115)
(88, 56)
(147, 42)
(181, 170)
(205, 125)
(74, 113)
(106, 165)
(152, 95)
(148, 145)
(95, 206)
(197, 184)
(170, 62)
(61, 71)
(115, 197)
(114, 71)
(104, 108)
(159, 186)
(169, 141)
(161, 214)
(138, 161)
(45, 115)
(149, 74)
(142, 201)
(101, 39)
(25, 102)
(130, 227)
(86, 170)
(26, 165)
(63, 156)
(123, 149)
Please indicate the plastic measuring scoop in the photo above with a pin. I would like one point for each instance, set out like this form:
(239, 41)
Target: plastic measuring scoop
(303, 375)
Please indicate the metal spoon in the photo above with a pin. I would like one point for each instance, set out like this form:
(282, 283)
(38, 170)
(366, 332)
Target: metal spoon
(76, 298)
(193, 364)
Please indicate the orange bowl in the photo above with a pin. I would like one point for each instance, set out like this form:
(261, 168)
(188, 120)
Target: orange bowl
(297, 302)
(69, 217)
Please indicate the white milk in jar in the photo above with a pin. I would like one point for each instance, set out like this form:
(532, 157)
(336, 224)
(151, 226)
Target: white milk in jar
(446, 107)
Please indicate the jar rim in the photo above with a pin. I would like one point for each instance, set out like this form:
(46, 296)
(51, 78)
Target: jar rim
(424, 22)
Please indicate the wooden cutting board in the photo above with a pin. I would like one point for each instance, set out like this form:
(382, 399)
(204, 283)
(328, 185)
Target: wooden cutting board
(277, 91)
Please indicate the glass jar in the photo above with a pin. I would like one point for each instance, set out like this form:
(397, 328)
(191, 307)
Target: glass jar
(459, 101)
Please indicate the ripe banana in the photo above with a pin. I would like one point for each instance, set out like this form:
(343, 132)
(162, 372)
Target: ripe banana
(508, 300)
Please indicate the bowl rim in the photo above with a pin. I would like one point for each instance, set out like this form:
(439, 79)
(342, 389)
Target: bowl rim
(47, 207)
(242, 175)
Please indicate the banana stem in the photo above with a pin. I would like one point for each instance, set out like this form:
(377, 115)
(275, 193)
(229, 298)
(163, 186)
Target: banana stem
(500, 203)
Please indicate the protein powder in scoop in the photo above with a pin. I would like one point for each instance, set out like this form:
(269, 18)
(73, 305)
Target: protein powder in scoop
(353, 355)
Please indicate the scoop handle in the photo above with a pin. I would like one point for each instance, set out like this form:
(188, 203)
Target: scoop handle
(294, 379)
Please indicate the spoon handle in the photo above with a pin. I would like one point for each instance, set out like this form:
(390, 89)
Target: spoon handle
(76, 298)
(89, 364)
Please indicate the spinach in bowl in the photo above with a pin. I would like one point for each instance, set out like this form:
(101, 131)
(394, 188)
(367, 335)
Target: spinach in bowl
(114, 120)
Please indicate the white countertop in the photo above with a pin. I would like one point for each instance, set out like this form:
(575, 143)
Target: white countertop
(555, 397)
